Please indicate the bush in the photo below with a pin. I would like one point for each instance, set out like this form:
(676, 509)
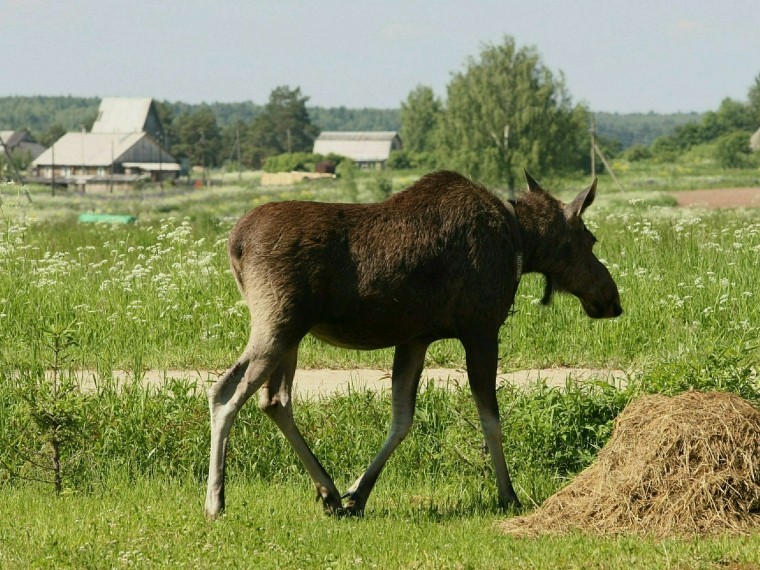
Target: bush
(293, 161)
(637, 152)
(732, 150)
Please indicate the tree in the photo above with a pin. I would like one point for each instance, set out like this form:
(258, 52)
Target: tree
(49, 137)
(198, 137)
(511, 88)
(732, 149)
(283, 126)
(420, 116)
(168, 132)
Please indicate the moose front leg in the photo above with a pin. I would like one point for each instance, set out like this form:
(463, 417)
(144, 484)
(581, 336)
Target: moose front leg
(482, 358)
(407, 369)
(275, 402)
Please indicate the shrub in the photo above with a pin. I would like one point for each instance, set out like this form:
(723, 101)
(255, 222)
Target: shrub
(637, 152)
(732, 150)
(293, 161)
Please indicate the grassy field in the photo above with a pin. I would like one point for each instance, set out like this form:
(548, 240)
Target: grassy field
(153, 524)
(158, 294)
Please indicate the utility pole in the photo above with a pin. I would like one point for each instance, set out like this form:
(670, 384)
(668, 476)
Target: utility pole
(52, 172)
(593, 150)
(237, 143)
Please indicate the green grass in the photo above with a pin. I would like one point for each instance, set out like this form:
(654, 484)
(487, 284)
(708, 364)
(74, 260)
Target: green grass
(150, 524)
(159, 294)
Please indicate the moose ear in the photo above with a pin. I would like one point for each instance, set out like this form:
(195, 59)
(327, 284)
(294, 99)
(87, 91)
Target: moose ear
(532, 184)
(581, 202)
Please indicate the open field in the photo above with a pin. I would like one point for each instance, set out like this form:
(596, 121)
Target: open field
(150, 524)
(158, 296)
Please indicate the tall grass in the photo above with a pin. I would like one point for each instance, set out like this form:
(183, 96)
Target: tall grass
(158, 294)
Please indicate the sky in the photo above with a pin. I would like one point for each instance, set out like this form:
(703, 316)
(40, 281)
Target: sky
(616, 56)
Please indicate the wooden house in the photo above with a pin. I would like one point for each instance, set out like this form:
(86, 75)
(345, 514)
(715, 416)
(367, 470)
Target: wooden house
(121, 150)
(367, 148)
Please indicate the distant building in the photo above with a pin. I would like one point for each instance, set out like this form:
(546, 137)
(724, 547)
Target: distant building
(367, 149)
(104, 161)
(20, 141)
(122, 149)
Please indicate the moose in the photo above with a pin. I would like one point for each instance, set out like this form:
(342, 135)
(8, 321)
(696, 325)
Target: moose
(441, 259)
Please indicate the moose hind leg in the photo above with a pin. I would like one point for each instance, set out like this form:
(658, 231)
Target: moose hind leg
(407, 369)
(275, 402)
(482, 358)
(226, 397)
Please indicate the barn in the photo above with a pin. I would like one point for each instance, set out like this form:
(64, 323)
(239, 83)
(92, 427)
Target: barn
(122, 149)
(369, 149)
(98, 162)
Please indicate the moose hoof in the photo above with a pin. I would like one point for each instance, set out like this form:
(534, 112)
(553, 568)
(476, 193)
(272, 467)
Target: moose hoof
(331, 505)
(212, 513)
(354, 507)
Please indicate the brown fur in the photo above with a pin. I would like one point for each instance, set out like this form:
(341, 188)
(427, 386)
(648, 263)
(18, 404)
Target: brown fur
(441, 259)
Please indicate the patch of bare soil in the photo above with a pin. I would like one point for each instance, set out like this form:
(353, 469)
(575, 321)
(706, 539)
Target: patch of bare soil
(311, 383)
(719, 198)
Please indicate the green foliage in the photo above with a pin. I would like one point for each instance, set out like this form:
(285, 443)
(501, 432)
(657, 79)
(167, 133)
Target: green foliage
(399, 160)
(381, 187)
(731, 118)
(284, 126)
(727, 369)
(347, 172)
(640, 129)
(421, 115)
(39, 114)
(198, 138)
(47, 416)
(273, 524)
(511, 87)
(343, 119)
(289, 162)
(732, 149)
(637, 152)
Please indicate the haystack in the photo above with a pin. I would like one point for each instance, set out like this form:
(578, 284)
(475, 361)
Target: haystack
(682, 465)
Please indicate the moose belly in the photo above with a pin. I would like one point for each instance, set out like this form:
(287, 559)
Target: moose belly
(365, 335)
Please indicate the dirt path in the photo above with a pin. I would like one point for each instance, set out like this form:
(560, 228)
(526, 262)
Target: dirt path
(325, 383)
(719, 198)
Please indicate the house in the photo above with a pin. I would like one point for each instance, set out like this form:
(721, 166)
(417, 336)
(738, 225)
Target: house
(20, 141)
(102, 161)
(121, 150)
(367, 149)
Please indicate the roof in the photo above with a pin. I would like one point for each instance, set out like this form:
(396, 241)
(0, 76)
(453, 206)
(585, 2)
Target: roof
(12, 138)
(122, 115)
(20, 141)
(361, 146)
(95, 149)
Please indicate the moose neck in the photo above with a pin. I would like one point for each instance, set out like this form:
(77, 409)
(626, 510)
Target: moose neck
(537, 222)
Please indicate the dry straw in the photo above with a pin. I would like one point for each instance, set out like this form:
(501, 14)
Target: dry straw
(682, 465)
